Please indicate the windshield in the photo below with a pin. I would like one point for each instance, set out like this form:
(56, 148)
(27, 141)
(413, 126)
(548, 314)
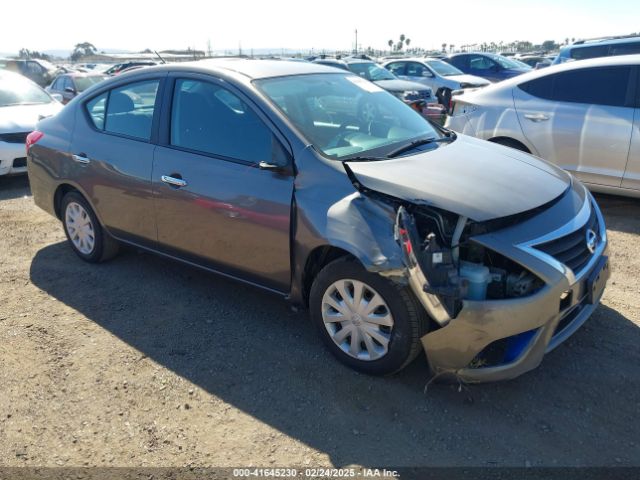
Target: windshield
(443, 68)
(82, 83)
(371, 71)
(509, 62)
(19, 91)
(345, 116)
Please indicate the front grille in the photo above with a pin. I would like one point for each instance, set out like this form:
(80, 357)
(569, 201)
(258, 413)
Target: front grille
(20, 137)
(572, 250)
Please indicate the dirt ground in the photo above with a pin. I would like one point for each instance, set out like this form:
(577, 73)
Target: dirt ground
(146, 362)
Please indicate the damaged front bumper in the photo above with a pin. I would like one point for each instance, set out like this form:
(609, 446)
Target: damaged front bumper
(493, 340)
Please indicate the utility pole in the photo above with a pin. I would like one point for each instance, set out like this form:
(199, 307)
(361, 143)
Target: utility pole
(356, 41)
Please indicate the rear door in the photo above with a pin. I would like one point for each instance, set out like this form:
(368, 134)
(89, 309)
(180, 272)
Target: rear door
(580, 120)
(223, 184)
(113, 156)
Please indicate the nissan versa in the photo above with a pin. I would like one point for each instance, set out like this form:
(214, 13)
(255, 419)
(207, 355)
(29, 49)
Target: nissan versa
(396, 234)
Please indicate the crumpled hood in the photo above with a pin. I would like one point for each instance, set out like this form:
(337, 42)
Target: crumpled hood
(470, 177)
(472, 79)
(23, 118)
(401, 85)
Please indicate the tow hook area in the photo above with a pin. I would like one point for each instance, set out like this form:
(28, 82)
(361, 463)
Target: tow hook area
(431, 271)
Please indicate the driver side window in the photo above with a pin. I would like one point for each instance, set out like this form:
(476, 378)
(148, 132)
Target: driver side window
(481, 63)
(210, 119)
(415, 69)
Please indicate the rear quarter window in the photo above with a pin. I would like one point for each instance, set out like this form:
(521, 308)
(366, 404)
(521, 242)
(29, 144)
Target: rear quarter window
(96, 108)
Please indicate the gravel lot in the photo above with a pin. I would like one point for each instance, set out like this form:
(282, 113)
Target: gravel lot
(145, 362)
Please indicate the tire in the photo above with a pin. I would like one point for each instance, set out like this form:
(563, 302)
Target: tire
(89, 241)
(409, 320)
(509, 142)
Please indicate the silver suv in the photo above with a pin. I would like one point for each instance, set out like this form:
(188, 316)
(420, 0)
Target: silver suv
(578, 115)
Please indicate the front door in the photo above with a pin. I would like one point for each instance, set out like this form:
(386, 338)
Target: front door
(631, 177)
(222, 185)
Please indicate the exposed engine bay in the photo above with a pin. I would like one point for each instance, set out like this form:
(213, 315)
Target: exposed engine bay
(454, 267)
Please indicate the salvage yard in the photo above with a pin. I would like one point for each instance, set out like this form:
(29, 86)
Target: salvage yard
(146, 362)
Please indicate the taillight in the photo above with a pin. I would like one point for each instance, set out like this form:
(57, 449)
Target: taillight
(32, 138)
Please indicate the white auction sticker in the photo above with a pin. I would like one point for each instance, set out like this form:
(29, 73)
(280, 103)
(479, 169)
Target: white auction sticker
(364, 84)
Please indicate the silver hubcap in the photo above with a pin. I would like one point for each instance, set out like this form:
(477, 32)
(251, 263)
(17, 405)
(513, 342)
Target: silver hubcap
(80, 228)
(357, 319)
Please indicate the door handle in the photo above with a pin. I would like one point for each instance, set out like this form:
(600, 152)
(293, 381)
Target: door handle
(536, 117)
(173, 181)
(81, 158)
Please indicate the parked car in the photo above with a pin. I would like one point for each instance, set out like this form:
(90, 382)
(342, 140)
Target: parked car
(119, 67)
(578, 115)
(398, 235)
(410, 92)
(599, 47)
(38, 71)
(22, 104)
(440, 76)
(71, 84)
(535, 61)
(488, 65)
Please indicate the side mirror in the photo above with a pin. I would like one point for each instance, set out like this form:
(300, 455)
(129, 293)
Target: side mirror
(57, 97)
(70, 90)
(427, 73)
(496, 68)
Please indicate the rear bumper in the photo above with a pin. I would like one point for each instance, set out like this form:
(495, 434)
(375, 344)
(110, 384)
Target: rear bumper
(535, 322)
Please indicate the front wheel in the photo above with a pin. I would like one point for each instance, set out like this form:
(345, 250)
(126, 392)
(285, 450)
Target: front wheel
(85, 234)
(369, 323)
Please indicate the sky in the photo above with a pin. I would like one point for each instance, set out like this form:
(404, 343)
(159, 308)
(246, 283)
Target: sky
(327, 24)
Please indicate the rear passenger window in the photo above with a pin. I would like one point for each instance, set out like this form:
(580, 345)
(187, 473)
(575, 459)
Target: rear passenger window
(210, 119)
(130, 109)
(540, 87)
(96, 109)
(581, 53)
(595, 86)
(600, 86)
(625, 49)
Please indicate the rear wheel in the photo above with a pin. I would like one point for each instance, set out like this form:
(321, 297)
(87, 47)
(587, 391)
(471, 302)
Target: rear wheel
(367, 322)
(85, 234)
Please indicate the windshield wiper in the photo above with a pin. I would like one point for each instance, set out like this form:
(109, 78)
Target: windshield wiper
(417, 143)
(363, 159)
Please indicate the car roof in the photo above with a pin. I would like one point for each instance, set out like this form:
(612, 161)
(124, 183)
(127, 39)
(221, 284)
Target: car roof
(605, 40)
(619, 60)
(247, 67)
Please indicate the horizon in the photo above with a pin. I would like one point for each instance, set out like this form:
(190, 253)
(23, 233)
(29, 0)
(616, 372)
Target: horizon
(290, 28)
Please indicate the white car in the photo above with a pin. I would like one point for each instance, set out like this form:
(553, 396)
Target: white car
(583, 116)
(22, 105)
(442, 77)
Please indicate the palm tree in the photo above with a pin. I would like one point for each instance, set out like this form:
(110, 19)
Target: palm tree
(390, 43)
(444, 47)
(451, 47)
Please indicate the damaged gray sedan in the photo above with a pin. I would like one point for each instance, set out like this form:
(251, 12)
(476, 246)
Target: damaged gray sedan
(319, 186)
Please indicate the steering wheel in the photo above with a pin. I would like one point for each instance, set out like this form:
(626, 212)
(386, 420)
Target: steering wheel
(340, 136)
